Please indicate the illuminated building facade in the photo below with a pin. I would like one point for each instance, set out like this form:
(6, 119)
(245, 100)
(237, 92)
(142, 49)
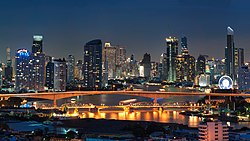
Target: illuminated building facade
(172, 52)
(70, 68)
(200, 64)
(78, 70)
(230, 54)
(145, 66)
(37, 44)
(185, 64)
(109, 56)
(244, 78)
(23, 69)
(92, 66)
(163, 66)
(37, 76)
(8, 70)
(213, 131)
(121, 62)
(56, 75)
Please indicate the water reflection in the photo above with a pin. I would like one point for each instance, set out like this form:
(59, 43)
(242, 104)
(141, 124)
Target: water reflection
(158, 116)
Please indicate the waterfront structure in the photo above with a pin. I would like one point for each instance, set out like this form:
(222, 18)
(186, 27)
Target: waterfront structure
(244, 78)
(109, 56)
(145, 66)
(172, 52)
(56, 75)
(8, 70)
(200, 64)
(23, 69)
(213, 131)
(92, 68)
(70, 68)
(230, 54)
(37, 44)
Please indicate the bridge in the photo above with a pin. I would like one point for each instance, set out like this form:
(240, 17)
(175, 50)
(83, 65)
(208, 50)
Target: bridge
(148, 94)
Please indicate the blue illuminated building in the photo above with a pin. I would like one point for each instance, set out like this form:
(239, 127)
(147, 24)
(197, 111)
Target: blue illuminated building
(23, 70)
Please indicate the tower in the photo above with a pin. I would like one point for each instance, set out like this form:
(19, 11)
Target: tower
(201, 64)
(229, 54)
(172, 52)
(37, 44)
(70, 68)
(109, 56)
(8, 69)
(23, 69)
(92, 68)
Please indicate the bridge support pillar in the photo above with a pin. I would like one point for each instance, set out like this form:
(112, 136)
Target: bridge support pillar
(54, 103)
(155, 101)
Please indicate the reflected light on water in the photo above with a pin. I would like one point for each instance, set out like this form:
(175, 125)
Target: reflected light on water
(158, 116)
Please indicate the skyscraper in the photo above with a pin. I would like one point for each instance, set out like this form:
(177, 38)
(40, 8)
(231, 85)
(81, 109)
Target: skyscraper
(38, 64)
(78, 70)
(201, 64)
(8, 69)
(163, 66)
(37, 76)
(109, 56)
(185, 64)
(56, 75)
(121, 62)
(92, 68)
(145, 66)
(229, 54)
(23, 69)
(70, 68)
(37, 44)
(172, 52)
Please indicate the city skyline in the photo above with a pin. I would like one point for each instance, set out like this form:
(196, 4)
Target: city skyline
(203, 23)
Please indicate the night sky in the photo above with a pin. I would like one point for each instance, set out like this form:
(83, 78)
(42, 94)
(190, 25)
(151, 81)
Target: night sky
(139, 25)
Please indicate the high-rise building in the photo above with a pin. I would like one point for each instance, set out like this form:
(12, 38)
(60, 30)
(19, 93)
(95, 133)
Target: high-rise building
(92, 68)
(244, 78)
(37, 46)
(38, 64)
(213, 131)
(78, 70)
(201, 64)
(56, 75)
(163, 66)
(70, 68)
(184, 45)
(8, 70)
(49, 75)
(229, 54)
(121, 62)
(23, 69)
(145, 66)
(185, 64)
(172, 52)
(37, 76)
(238, 58)
(109, 56)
